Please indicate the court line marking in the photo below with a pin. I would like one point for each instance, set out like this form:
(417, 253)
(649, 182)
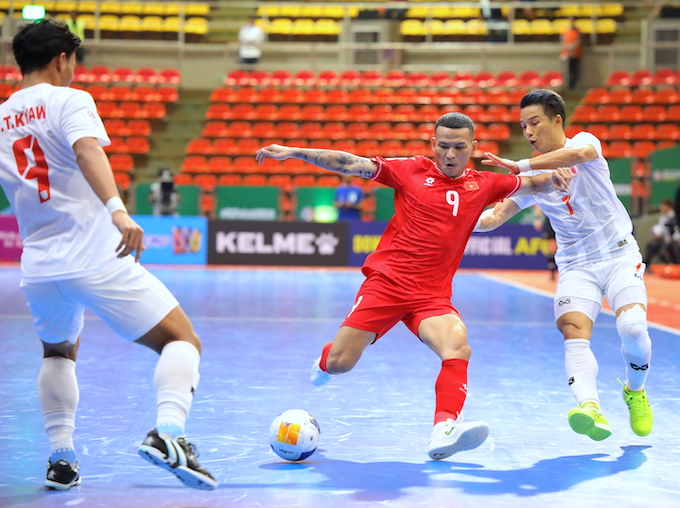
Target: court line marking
(550, 295)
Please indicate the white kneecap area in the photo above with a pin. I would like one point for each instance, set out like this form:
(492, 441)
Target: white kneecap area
(632, 327)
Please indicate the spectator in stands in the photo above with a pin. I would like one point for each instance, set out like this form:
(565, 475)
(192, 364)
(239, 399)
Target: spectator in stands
(250, 37)
(496, 23)
(571, 52)
(664, 237)
(163, 194)
(349, 200)
(77, 26)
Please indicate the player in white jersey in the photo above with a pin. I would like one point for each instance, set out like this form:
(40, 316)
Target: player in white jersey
(597, 256)
(78, 240)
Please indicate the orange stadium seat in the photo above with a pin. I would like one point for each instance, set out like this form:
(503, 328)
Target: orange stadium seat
(620, 131)
(122, 180)
(243, 112)
(368, 148)
(336, 112)
(308, 113)
(643, 131)
(218, 111)
(238, 77)
(327, 78)
(391, 148)
(552, 79)
(337, 96)
(310, 130)
(155, 110)
(630, 113)
(344, 145)
(618, 78)
(667, 131)
(219, 164)
(255, 180)
(108, 109)
(654, 113)
(314, 96)
(169, 76)
(641, 77)
(618, 149)
(283, 182)
(139, 127)
(99, 74)
(357, 130)
(199, 146)
(214, 129)
(223, 94)
(121, 162)
(666, 96)
(359, 113)
(138, 145)
(206, 181)
(328, 181)
(571, 130)
(183, 179)
(268, 112)
(167, 93)
(224, 146)
(332, 130)
(194, 164)
(609, 113)
(304, 78)
(643, 149)
(598, 130)
(303, 181)
(116, 127)
(229, 180)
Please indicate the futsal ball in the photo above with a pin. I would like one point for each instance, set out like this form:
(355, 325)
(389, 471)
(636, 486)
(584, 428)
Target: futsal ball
(294, 435)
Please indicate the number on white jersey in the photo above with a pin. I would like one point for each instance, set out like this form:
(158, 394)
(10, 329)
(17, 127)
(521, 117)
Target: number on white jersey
(37, 168)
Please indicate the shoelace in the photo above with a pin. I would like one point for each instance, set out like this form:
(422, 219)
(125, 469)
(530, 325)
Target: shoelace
(188, 446)
(637, 402)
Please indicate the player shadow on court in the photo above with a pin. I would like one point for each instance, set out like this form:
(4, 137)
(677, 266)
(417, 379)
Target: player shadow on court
(387, 481)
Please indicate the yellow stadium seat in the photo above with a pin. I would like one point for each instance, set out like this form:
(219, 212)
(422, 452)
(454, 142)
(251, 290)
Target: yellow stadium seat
(312, 11)
(291, 11)
(86, 7)
(560, 25)
(328, 27)
(89, 21)
(540, 27)
(171, 9)
(130, 26)
(283, 26)
(585, 25)
(435, 27)
(455, 27)
(131, 8)
(520, 27)
(442, 12)
(352, 12)
(109, 22)
(110, 7)
(196, 25)
(57, 6)
(270, 11)
(303, 27)
(611, 10)
(412, 27)
(476, 27)
(605, 26)
(153, 9)
(465, 12)
(152, 24)
(417, 12)
(568, 10)
(197, 9)
(171, 27)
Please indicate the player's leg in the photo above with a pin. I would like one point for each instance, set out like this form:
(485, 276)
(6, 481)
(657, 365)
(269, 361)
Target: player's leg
(341, 354)
(575, 317)
(628, 297)
(446, 335)
(139, 308)
(58, 322)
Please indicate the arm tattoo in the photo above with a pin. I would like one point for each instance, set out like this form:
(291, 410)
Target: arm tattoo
(337, 161)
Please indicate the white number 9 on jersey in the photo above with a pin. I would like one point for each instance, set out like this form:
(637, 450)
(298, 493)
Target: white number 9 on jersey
(453, 198)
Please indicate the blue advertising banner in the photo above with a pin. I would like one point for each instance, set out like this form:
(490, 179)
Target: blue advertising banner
(510, 246)
(174, 240)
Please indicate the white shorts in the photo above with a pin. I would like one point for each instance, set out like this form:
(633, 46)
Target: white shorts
(126, 297)
(583, 288)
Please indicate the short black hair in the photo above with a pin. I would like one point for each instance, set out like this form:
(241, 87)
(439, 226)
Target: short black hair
(552, 103)
(456, 120)
(38, 43)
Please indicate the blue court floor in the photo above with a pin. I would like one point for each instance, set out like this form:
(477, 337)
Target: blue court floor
(262, 329)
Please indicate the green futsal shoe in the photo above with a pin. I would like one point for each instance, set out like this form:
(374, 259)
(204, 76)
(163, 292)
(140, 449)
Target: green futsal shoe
(587, 419)
(641, 417)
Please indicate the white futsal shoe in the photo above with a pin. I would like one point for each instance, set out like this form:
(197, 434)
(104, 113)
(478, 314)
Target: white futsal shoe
(318, 376)
(451, 437)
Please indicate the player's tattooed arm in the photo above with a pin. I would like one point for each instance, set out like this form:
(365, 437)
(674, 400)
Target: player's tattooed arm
(332, 160)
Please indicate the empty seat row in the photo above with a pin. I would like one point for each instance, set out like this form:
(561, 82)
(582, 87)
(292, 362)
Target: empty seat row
(131, 110)
(132, 145)
(121, 7)
(383, 95)
(139, 93)
(643, 77)
(631, 113)
(357, 112)
(394, 78)
(125, 128)
(337, 130)
(626, 132)
(666, 95)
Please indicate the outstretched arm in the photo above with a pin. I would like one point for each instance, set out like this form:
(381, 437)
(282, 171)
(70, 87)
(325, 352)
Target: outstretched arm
(491, 218)
(565, 157)
(332, 160)
(546, 182)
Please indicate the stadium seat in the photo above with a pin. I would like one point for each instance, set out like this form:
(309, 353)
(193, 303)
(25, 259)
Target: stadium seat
(332, 131)
(552, 79)
(391, 148)
(243, 112)
(154, 110)
(357, 130)
(206, 182)
(404, 131)
(336, 112)
(314, 96)
(248, 146)
(497, 132)
(139, 127)
(620, 131)
(643, 149)
(642, 96)
(9, 72)
(630, 113)
(359, 113)
(238, 77)
(287, 130)
(667, 132)
(138, 145)
(643, 131)
(618, 149)
(131, 109)
(123, 75)
(145, 93)
(99, 92)
(223, 94)
(224, 146)
(283, 182)
(337, 96)
(183, 179)
(608, 113)
(654, 113)
(215, 129)
(327, 78)
(304, 78)
(597, 96)
(108, 109)
(99, 74)
(598, 130)
(199, 146)
(380, 131)
(618, 78)
(371, 78)
(303, 181)
(641, 77)
(291, 96)
(218, 111)
(122, 180)
(281, 78)
(169, 76)
(368, 148)
(167, 93)
(219, 164)
(529, 78)
(121, 162)
(620, 96)
(328, 181)
(229, 179)
(571, 130)
(116, 127)
(397, 78)
(194, 164)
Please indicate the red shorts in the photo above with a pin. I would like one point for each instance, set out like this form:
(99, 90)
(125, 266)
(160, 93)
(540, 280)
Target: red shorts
(380, 304)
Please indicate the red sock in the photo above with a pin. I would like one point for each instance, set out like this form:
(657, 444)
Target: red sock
(450, 389)
(324, 355)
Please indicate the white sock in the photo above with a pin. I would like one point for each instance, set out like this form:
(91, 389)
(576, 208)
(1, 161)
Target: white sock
(581, 367)
(175, 379)
(636, 346)
(59, 395)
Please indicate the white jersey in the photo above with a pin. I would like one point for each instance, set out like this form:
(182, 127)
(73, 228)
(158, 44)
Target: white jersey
(590, 223)
(66, 229)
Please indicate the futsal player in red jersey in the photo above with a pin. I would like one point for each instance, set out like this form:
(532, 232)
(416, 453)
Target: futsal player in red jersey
(409, 276)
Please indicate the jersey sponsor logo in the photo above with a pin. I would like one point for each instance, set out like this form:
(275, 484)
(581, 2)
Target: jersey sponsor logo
(471, 186)
(566, 301)
(621, 243)
(354, 307)
(429, 181)
(571, 380)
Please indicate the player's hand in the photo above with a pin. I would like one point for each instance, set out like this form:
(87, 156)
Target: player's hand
(495, 160)
(561, 178)
(133, 235)
(276, 152)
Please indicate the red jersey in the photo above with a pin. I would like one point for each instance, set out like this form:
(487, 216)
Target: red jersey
(424, 241)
